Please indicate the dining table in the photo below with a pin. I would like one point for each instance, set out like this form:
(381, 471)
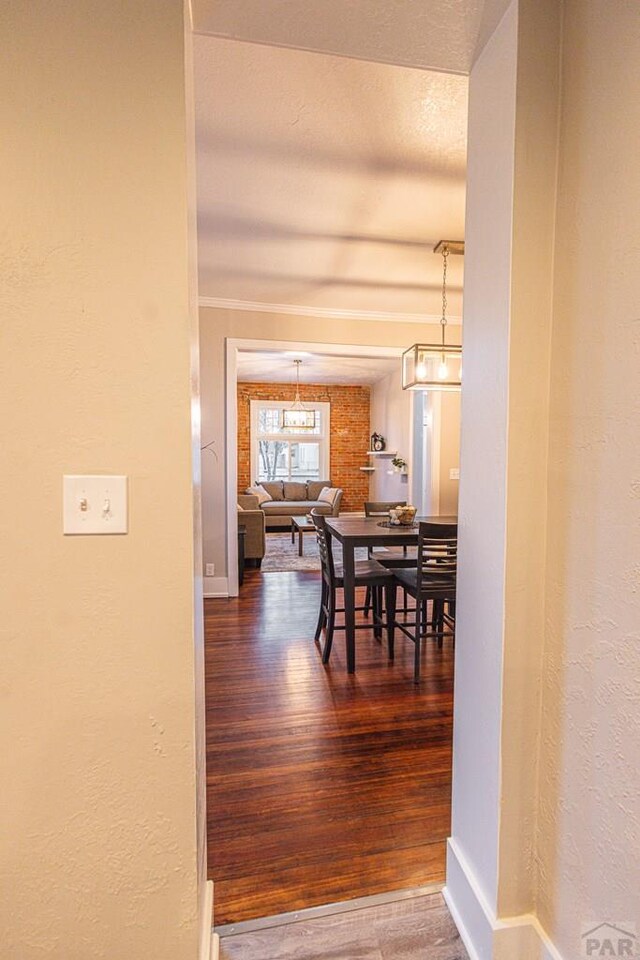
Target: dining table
(354, 532)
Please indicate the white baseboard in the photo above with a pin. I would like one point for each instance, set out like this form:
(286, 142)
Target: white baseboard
(215, 946)
(467, 905)
(484, 935)
(215, 587)
(206, 922)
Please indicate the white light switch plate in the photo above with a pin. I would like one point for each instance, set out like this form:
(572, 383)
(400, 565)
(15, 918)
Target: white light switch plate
(454, 473)
(94, 504)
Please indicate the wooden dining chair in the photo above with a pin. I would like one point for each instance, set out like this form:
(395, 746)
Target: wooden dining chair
(368, 573)
(389, 557)
(434, 578)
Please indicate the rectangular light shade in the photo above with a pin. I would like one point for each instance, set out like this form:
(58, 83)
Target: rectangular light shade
(423, 367)
(299, 419)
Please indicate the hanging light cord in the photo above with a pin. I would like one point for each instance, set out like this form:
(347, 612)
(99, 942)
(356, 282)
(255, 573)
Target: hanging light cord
(297, 400)
(443, 321)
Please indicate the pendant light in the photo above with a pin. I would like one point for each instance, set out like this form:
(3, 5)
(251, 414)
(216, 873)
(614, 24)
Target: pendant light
(296, 417)
(435, 366)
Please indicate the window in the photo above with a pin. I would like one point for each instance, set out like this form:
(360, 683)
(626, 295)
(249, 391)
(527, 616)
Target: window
(280, 451)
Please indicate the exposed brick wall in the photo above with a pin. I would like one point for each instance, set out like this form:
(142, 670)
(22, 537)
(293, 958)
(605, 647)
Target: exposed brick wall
(349, 435)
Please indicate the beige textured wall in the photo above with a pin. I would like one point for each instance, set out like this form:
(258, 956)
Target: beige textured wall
(98, 800)
(589, 819)
(215, 326)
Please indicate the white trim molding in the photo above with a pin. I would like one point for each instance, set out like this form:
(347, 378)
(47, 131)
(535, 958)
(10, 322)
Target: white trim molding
(231, 477)
(484, 935)
(206, 933)
(322, 439)
(322, 313)
(213, 587)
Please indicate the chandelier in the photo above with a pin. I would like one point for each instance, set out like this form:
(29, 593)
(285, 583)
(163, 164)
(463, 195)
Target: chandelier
(435, 366)
(297, 417)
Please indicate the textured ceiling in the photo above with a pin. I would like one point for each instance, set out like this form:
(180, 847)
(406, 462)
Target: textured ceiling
(325, 181)
(258, 367)
(432, 34)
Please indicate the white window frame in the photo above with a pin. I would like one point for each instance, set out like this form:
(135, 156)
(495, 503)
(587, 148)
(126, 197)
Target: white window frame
(304, 436)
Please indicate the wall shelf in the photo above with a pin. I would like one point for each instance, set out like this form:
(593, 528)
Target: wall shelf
(384, 454)
(367, 469)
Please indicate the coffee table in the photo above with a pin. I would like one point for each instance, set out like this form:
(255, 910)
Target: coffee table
(301, 525)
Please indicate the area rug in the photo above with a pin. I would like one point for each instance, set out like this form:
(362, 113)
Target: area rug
(282, 555)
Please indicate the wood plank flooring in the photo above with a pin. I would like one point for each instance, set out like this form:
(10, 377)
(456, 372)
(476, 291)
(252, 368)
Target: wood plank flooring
(411, 929)
(321, 786)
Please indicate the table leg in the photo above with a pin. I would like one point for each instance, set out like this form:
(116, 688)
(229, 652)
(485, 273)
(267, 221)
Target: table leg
(348, 564)
(300, 542)
(293, 532)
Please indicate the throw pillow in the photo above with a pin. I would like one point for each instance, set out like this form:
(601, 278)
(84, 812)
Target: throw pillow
(328, 495)
(259, 492)
(273, 488)
(314, 487)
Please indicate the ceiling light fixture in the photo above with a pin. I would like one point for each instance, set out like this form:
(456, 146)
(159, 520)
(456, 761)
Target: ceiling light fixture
(433, 366)
(297, 418)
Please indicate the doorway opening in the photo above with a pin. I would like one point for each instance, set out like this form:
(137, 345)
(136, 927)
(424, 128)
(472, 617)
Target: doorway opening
(324, 786)
(354, 390)
(324, 185)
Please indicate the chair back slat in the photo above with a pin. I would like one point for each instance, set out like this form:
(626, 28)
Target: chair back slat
(437, 554)
(324, 547)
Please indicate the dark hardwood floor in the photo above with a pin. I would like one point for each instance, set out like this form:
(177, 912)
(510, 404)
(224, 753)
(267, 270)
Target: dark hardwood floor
(321, 786)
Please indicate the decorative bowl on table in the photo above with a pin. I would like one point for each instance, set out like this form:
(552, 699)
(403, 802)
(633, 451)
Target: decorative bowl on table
(406, 515)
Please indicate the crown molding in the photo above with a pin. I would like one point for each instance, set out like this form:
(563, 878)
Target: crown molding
(322, 313)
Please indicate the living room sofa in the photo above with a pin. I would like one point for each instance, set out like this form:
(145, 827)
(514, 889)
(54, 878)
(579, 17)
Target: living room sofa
(295, 498)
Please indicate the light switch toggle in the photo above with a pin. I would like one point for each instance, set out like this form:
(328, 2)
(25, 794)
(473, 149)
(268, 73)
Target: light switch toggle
(94, 504)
